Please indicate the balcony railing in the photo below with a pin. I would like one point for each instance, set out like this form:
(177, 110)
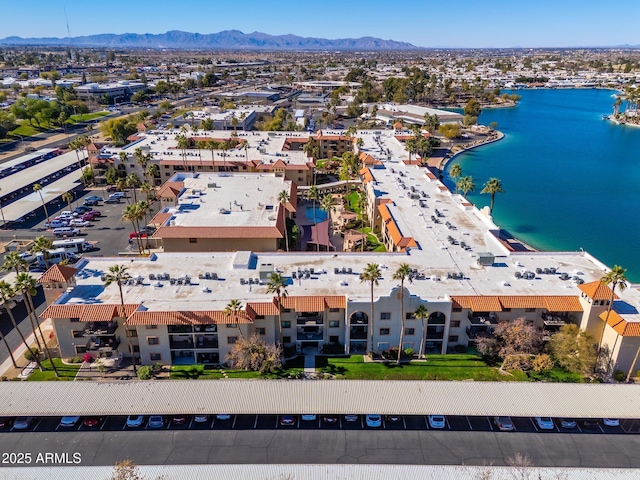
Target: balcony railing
(357, 334)
(180, 344)
(310, 320)
(473, 332)
(206, 342)
(179, 329)
(101, 345)
(435, 333)
(310, 333)
(100, 328)
(205, 328)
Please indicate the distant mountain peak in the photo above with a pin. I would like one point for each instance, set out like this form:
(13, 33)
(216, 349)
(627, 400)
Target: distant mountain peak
(224, 40)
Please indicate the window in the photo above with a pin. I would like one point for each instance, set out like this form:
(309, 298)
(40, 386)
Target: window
(455, 323)
(74, 319)
(81, 348)
(409, 331)
(506, 309)
(334, 339)
(232, 340)
(259, 317)
(286, 339)
(529, 310)
(153, 340)
(334, 310)
(260, 331)
(152, 327)
(385, 315)
(457, 309)
(409, 316)
(132, 333)
(334, 324)
(136, 349)
(286, 324)
(232, 325)
(453, 338)
(286, 310)
(384, 331)
(193, 240)
(77, 333)
(156, 357)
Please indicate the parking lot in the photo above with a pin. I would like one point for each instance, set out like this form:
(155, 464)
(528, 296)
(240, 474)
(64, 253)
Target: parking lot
(108, 232)
(339, 422)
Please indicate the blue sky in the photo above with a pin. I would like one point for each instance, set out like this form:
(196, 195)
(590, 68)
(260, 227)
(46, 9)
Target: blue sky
(425, 23)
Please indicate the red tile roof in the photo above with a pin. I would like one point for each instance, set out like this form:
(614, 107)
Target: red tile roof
(88, 312)
(597, 290)
(205, 317)
(218, 232)
(58, 273)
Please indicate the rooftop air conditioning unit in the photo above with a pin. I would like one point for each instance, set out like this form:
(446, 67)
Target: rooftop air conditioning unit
(212, 185)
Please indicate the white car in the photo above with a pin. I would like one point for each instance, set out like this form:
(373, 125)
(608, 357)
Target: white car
(134, 421)
(22, 423)
(117, 195)
(308, 418)
(544, 423)
(69, 421)
(78, 222)
(611, 422)
(436, 421)
(373, 421)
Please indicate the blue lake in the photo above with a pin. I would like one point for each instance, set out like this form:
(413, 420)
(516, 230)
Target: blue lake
(571, 179)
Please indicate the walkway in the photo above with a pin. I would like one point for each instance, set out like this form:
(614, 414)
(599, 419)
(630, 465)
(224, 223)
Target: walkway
(310, 361)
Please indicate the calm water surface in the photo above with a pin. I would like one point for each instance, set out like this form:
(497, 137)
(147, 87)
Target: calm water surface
(571, 179)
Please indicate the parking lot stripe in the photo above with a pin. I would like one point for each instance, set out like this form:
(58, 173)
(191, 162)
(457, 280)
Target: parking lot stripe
(491, 425)
(446, 420)
(233, 424)
(534, 423)
(469, 422)
(255, 424)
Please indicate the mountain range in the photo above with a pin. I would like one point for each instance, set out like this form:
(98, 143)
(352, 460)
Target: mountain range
(225, 40)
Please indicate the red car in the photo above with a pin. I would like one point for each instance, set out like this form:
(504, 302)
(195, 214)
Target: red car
(179, 420)
(91, 214)
(133, 235)
(92, 421)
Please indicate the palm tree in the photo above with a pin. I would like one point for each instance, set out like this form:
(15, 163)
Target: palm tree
(411, 146)
(422, 313)
(402, 273)
(616, 277)
(492, 187)
(42, 245)
(67, 197)
(359, 143)
(455, 173)
(245, 146)
(362, 200)
(153, 172)
(132, 181)
(13, 261)
(314, 195)
(6, 295)
(28, 286)
(371, 274)
(212, 145)
(466, 185)
(118, 274)
(183, 145)
(328, 204)
(233, 309)
(133, 213)
(277, 285)
(38, 188)
(283, 199)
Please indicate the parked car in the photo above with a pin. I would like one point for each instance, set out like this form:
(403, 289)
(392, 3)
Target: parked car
(55, 224)
(134, 421)
(351, 417)
(90, 203)
(591, 423)
(22, 423)
(95, 213)
(504, 424)
(136, 235)
(81, 210)
(117, 195)
(545, 423)
(201, 418)
(436, 421)
(92, 422)
(330, 419)
(149, 230)
(88, 217)
(308, 418)
(568, 423)
(179, 420)
(66, 231)
(611, 422)
(79, 222)
(5, 422)
(66, 213)
(287, 420)
(373, 421)
(69, 421)
(112, 200)
(93, 198)
(111, 188)
(223, 416)
(156, 421)
(392, 418)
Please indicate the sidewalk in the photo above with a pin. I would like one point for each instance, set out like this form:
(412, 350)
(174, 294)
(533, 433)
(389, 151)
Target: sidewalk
(6, 368)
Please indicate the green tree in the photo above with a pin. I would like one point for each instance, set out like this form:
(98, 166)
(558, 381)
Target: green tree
(68, 197)
(431, 122)
(314, 196)
(119, 129)
(133, 213)
(232, 312)
(283, 199)
(277, 285)
(38, 188)
(492, 186)
(118, 274)
(450, 130)
(111, 176)
(133, 181)
(421, 313)
(371, 274)
(13, 261)
(42, 245)
(26, 284)
(574, 350)
(7, 293)
(328, 204)
(617, 278)
(466, 185)
(455, 173)
(472, 108)
(402, 273)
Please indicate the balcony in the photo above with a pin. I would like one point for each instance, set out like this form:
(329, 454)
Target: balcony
(358, 333)
(474, 331)
(179, 328)
(206, 341)
(205, 328)
(486, 320)
(100, 328)
(102, 344)
(310, 333)
(310, 319)
(181, 342)
(435, 333)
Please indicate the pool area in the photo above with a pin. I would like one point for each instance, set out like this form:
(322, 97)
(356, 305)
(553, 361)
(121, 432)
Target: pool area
(321, 215)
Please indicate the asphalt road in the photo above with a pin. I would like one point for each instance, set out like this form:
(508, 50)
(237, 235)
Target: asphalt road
(328, 447)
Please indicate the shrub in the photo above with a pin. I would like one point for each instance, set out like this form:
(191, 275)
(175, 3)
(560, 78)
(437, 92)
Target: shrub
(157, 367)
(32, 353)
(409, 352)
(542, 363)
(75, 360)
(88, 358)
(619, 376)
(145, 372)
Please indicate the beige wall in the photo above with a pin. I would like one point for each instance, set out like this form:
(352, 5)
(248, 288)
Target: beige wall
(220, 245)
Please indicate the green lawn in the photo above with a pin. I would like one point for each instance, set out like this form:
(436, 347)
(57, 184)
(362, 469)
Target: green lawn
(354, 201)
(181, 372)
(86, 117)
(26, 130)
(437, 367)
(67, 372)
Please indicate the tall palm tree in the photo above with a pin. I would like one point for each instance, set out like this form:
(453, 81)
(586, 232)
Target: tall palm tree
(28, 286)
(38, 188)
(371, 274)
(277, 285)
(411, 146)
(6, 295)
(421, 313)
(492, 186)
(402, 273)
(133, 181)
(616, 277)
(314, 195)
(153, 172)
(245, 146)
(328, 204)
(233, 309)
(42, 245)
(183, 145)
(283, 199)
(133, 214)
(13, 261)
(212, 145)
(466, 185)
(362, 200)
(455, 173)
(67, 197)
(118, 274)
